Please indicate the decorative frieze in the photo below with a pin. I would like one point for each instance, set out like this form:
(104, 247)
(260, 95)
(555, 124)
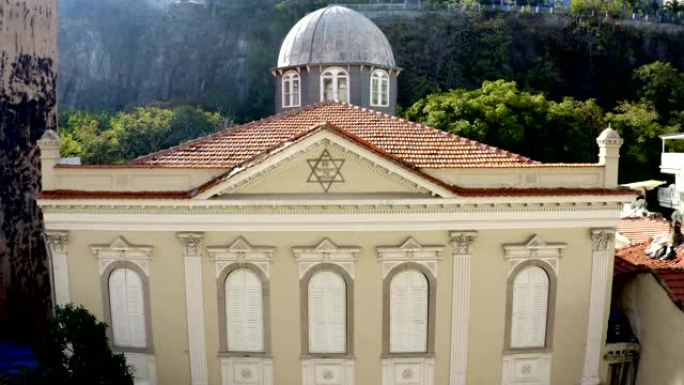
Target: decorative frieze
(408, 371)
(191, 243)
(241, 251)
(325, 371)
(121, 250)
(409, 251)
(326, 252)
(462, 246)
(527, 369)
(246, 371)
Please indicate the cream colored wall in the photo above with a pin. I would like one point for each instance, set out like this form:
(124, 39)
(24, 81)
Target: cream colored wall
(487, 316)
(167, 293)
(130, 179)
(488, 304)
(292, 175)
(659, 326)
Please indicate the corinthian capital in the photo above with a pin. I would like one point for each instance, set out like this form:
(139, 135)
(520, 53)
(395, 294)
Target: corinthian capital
(57, 241)
(601, 238)
(462, 241)
(191, 243)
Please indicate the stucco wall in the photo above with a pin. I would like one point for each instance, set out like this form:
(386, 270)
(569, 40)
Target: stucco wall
(659, 326)
(487, 315)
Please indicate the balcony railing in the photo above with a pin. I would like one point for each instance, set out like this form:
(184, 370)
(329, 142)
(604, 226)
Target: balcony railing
(669, 196)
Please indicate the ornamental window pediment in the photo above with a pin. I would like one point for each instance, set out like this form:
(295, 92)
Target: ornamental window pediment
(535, 248)
(122, 250)
(326, 252)
(409, 251)
(241, 251)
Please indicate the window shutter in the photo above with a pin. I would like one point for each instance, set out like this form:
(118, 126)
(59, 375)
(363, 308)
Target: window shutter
(244, 307)
(127, 308)
(530, 301)
(327, 313)
(408, 312)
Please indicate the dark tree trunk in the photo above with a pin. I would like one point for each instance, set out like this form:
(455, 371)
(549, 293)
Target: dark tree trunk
(28, 62)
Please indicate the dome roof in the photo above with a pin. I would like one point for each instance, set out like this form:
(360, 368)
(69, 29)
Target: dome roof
(335, 35)
(609, 133)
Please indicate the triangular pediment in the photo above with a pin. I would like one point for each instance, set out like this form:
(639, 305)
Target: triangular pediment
(324, 164)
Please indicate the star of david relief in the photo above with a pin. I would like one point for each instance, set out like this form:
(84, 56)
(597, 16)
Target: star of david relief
(325, 170)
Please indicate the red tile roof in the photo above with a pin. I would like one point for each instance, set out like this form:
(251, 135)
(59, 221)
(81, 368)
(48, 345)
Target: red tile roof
(416, 144)
(639, 230)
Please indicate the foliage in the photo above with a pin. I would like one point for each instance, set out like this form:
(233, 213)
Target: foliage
(527, 123)
(662, 85)
(115, 138)
(76, 352)
(603, 7)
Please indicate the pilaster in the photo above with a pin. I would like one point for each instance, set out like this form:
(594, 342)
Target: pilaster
(600, 280)
(194, 304)
(57, 241)
(462, 244)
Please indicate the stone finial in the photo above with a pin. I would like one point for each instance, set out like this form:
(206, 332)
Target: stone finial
(609, 143)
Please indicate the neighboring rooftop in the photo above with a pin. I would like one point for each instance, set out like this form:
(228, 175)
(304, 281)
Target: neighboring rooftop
(335, 35)
(642, 229)
(415, 144)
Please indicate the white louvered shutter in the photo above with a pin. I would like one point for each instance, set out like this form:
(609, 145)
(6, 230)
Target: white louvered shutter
(408, 312)
(530, 301)
(244, 308)
(127, 308)
(327, 313)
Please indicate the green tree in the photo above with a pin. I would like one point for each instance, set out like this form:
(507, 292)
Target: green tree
(661, 85)
(76, 352)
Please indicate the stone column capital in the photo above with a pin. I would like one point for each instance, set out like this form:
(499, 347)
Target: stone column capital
(601, 238)
(191, 243)
(462, 241)
(57, 240)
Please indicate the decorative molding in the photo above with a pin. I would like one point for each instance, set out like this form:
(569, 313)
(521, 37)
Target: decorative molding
(527, 369)
(601, 238)
(462, 241)
(192, 242)
(143, 367)
(326, 252)
(241, 251)
(535, 248)
(121, 250)
(408, 371)
(246, 371)
(602, 261)
(325, 371)
(409, 251)
(462, 246)
(57, 242)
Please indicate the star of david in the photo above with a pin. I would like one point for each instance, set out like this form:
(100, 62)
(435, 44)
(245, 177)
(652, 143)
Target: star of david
(325, 170)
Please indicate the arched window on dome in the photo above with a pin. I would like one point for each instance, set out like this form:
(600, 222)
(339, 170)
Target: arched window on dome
(335, 84)
(291, 89)
(379, 89)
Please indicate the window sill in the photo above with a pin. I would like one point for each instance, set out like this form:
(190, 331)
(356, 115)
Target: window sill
(318, 356)
(128, 349)
(245, 354)
(407, 355)
(527, 351)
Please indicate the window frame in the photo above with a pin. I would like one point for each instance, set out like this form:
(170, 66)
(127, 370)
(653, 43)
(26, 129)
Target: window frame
(290, 77)
(223, 310)
(349, 310)
(550, 307)
(431, 310)
(106, 301)
(380, 73)
(336, 73)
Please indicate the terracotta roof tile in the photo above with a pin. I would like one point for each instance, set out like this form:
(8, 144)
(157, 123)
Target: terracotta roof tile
(416, 144)
(639, 230)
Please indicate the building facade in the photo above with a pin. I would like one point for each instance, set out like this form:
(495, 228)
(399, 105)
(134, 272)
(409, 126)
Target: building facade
(335, 244)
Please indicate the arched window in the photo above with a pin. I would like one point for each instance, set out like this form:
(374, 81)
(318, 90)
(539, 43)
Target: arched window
(408, 312)
(529, 309)
(335, 84)
(379, 88)
(244, 312)
(127, 308)
(327, 313)
(291, 89)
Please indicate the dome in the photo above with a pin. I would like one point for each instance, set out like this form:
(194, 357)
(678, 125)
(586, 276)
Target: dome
(609, 133)
(335, 35)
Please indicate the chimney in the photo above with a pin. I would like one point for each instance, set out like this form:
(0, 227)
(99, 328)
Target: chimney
(609, 143)
(49, 145)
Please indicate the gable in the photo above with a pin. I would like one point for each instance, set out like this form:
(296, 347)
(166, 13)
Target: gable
(326, 164)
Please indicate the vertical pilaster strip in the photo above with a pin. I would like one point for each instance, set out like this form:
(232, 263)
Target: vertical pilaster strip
(195, 309)
(600, 274)
(461, 242)
(57, 241)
